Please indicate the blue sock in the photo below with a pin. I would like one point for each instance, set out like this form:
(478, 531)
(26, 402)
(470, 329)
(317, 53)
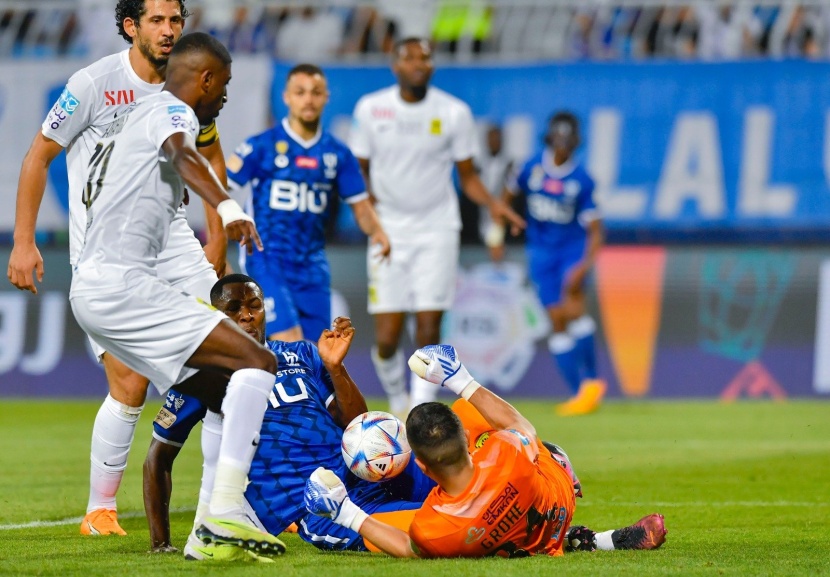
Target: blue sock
(564, 350)
(582, 331)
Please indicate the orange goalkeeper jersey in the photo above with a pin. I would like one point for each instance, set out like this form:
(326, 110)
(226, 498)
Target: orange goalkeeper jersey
(519, 502)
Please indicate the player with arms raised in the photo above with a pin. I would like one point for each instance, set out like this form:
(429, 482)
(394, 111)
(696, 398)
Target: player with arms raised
(91, 100)
(295, 169)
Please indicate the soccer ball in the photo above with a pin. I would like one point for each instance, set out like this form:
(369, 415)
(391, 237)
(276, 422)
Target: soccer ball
(375, 447)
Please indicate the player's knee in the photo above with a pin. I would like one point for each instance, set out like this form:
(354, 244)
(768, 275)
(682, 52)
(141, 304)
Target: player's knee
(125, 385)
(386, 347)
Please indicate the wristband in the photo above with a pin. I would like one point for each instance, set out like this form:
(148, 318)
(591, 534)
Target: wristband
(350, 516)
(230, 211)
(468, 391)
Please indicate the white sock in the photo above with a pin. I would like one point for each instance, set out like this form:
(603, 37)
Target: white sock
(244, 407)
(421, 391)
(112, 435)
(211, 440)
(604, 541)
(392, 378)
(582, 327)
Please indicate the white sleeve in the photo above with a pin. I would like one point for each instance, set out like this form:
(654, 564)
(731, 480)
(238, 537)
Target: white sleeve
(360, 141)
(464, 138)
(72, 112)
(169, 118)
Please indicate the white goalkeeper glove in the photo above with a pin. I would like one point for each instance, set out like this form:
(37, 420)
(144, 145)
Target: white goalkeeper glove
(440, 364)
(325, 496)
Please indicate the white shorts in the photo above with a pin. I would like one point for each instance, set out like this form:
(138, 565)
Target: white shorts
(420, 275)
(190, 272)
(152, 327)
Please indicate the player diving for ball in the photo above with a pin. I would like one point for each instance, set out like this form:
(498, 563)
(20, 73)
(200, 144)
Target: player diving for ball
(313, 400)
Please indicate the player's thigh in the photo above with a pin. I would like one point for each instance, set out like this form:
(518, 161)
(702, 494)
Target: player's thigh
(314, 307)
(547, 275)
(153, 329)
(391, 280)
(435, 273)
(228, 348)
(199, 284)
(280, 309)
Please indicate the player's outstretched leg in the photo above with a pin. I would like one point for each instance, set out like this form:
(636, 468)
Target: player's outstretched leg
(647, 533)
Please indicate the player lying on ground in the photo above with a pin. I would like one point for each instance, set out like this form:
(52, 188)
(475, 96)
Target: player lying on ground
(513, 497)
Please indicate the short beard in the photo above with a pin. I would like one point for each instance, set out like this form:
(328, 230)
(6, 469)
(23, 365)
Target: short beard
(419, 92)
(158, 62)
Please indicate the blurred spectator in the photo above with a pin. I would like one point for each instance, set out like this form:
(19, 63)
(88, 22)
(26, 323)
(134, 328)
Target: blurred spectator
(461, 21)
(310, 35)
(727, 33)
(98, 30)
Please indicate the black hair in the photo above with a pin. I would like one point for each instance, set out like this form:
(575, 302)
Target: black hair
(235, 278)
(563, 116)
(134, 10)
(396, 48)
(201, 42)
(305, 68)
(436, 435)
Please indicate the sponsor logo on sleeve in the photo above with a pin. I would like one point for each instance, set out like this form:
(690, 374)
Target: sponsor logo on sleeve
(234, 163)
(177, 109)
(68, 102)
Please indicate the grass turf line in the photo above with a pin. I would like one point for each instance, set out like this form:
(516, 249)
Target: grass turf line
(743, 487)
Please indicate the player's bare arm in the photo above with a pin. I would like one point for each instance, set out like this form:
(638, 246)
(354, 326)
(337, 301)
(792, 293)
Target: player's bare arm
(474, 189)
(364, 169)
(199, 176)
(25, 256)
(333, 346)
(367, 220)
(216, 247)
(388, 539)
(158, 486)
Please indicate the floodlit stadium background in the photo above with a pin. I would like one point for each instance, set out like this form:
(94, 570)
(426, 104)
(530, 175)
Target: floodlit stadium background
(706, 127)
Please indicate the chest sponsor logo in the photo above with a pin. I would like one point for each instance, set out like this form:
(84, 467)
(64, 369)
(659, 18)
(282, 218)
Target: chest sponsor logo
(116, 97)
(384, 113)
(553, 186)
(306, 162)
(500, 503)
(290, 196)
(291, 359)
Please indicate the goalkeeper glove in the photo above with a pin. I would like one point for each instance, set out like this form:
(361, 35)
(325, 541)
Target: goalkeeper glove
(325, 496)
(440, 364)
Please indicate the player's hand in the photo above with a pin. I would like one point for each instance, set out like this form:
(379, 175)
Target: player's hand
(381, 247)
(440, 364)
(24, 259)
(500, 211)
(246, 233)
(216, 251)
(324, 493)
(334, 343)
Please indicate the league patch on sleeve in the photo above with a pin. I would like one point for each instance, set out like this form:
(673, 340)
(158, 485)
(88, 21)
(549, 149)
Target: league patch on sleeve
(522, 437)
(68, 102)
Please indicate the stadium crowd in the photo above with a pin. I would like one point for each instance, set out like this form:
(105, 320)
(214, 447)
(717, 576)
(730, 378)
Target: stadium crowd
(562, 29)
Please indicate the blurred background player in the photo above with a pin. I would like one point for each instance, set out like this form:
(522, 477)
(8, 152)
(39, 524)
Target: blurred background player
(407, 138)
(313, 400)
(295, 170)
(137, 179)
(495, 166)
(513, 497)
(91, 100)
(564, 236)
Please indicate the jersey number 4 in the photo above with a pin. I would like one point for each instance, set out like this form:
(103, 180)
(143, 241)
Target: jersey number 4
(97, 167)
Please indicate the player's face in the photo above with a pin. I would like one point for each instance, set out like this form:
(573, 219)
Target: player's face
(215, 88)
(305, 96)
(413, 65)
(562, 137)
(244, 305)
(159, 28)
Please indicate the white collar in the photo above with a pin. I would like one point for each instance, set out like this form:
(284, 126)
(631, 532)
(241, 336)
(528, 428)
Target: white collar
(557, 170)
(299, 139)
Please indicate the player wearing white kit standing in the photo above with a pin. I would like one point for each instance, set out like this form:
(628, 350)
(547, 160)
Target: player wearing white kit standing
(91, 100)
(136, 182)
(407, 139)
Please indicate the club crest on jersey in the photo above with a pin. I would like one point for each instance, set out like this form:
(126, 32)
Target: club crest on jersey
(330, 162)
(281, 147)
(116, 97)
(435, 126)
(291, 359)
(281, 161)
(306, 162)
(68, 102)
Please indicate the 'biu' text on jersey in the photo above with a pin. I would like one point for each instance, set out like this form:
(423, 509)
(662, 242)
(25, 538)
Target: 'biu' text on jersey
(293, 183)
(560, 201)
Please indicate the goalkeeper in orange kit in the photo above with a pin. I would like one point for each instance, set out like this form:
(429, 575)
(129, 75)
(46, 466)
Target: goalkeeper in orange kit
(514, 496)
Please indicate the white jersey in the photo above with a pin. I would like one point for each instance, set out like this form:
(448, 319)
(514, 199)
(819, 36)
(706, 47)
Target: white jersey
(412, 149)
(88, 104)
(132, 194)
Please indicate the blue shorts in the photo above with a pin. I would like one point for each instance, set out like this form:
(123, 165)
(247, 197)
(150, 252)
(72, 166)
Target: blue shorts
(405, 492)
(290, 306)
(177, 417)
(548, 269)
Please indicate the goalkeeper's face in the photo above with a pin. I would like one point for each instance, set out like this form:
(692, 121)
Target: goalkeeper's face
(305, 96)
(244, 305)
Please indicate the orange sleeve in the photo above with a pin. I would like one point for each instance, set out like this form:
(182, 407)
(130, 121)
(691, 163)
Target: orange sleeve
(478, 429)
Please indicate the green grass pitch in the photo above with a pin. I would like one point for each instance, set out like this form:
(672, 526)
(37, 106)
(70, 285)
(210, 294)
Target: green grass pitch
(745, 489)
